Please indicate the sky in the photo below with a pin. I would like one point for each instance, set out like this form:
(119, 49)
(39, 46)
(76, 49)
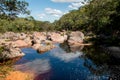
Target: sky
(51, 10)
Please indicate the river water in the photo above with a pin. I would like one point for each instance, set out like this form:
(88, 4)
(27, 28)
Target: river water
(69, 63)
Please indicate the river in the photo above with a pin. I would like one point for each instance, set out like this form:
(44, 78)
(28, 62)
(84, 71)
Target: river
(69, 63)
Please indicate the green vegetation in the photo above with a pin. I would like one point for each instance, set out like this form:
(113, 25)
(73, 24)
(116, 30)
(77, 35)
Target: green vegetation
(1, 49)
(9, 20)
(94, 17)
(23, 25)
(99, 18)
(5, 68)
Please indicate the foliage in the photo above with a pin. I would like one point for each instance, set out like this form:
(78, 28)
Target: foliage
(5, 68)
(1, 49)
(12, 8)
(99, 17)
(28, 24)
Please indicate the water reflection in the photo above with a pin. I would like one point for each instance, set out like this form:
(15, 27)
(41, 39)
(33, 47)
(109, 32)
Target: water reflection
(64, 56)
(71, 48)
(114, 72)
(38, 66)
(102, 62)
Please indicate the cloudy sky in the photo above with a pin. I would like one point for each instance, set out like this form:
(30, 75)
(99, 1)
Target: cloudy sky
(50, 10)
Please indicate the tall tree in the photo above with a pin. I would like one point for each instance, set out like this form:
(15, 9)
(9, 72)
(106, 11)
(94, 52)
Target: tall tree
(12, 8)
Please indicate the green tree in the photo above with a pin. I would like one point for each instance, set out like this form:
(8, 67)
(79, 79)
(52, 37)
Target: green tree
(11, 8)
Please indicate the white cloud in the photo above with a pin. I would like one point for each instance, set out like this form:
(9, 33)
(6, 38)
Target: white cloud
(76, 5)
(38, 66)
(67, 57)
(65, 0)
(41, 15)
(54, 12)
(66, 12)
(64, 56)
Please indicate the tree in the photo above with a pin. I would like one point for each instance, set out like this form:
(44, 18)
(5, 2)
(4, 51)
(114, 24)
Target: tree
(12, 8)
(99, 12)
(98, 17)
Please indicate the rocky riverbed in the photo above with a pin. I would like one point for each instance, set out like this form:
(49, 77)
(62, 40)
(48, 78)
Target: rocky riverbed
(41, 41)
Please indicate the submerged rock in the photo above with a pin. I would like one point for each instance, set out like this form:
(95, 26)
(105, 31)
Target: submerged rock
(43, 47)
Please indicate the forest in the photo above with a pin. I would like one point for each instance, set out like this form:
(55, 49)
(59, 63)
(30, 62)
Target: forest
(99, 18)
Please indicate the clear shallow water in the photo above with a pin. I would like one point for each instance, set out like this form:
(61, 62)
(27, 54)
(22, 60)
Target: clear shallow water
(68, 63)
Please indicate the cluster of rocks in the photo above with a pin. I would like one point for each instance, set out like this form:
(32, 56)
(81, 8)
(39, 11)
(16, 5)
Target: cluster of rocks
(10, 51)
(40, 41)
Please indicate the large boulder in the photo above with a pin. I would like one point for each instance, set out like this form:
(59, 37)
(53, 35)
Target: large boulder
(76, 38)
(9, 52)
(38, 37)
(20, 43)
(58, 37)
(22, 36)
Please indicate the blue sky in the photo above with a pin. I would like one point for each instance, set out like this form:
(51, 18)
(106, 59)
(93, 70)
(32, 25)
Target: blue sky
(50, 10)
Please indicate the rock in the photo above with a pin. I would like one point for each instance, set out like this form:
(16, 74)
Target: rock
(36, 46)
(65, 37)
(28, 41)
(46, 48)
(20, 43)
(114, 51)
(57, 37)
(7, 35)
(36, 40)
(47, 42)
(10, 52)
(36, 34)
(22, 36)
(4, 42)
(38, 37)
(43, 47)
(13, 36)
(76, 38)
